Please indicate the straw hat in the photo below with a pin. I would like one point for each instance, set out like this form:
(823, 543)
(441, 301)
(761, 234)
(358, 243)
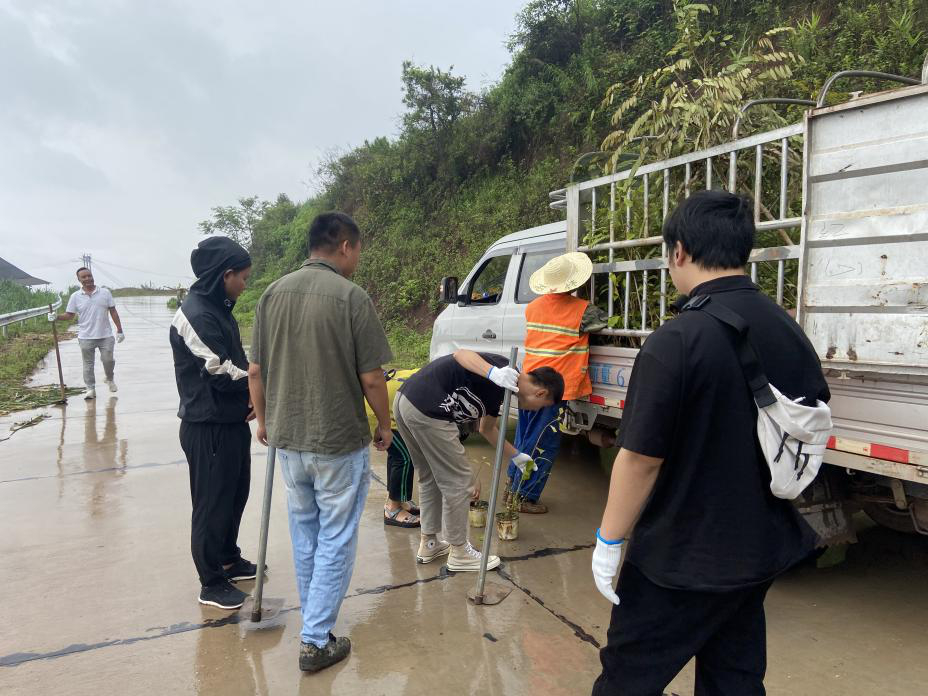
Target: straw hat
(562, 274)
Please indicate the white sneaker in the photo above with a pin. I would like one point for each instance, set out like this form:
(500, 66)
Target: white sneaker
(91, 393)
(466, 558)
(112, 385)
(431, 550)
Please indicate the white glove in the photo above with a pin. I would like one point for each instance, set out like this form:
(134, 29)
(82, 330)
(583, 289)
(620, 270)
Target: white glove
(120, 337)
(521, 460)
(606, 559)
(506, 377)
(52, 316)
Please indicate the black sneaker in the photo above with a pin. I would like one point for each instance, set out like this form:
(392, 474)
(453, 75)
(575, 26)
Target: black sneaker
(242, 570)
(222, 595)
(312, 659)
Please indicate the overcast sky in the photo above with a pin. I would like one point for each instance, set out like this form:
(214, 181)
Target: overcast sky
(122, 122)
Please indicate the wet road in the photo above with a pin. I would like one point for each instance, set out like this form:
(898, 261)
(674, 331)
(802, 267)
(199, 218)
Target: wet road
(100, 591)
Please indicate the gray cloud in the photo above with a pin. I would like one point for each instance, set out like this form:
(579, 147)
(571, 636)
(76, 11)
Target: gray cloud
(123, 122)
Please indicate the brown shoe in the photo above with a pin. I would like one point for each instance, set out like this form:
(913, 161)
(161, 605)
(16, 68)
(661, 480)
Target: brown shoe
(313, 659)
(530, 508)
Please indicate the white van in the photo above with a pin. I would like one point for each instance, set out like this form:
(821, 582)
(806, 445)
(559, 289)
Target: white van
(486, 312)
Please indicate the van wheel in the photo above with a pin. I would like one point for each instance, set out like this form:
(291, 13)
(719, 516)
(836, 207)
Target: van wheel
(889, 516)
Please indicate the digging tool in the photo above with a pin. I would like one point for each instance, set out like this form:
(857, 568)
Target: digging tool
(495, 593)
(256, 614)
(64, 395)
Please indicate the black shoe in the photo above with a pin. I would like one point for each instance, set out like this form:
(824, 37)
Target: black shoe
(242, 570)
(312, 659)
(222, 595)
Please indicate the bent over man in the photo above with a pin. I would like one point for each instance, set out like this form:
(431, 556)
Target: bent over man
(454, 389)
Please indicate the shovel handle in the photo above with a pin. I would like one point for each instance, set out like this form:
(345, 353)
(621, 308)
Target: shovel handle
(494, 488)
(64, 396)
(262, 541)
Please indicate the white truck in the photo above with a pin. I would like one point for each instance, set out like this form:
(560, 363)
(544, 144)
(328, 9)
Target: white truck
(841, 208)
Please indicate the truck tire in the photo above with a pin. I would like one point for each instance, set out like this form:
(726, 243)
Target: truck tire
(889, 516)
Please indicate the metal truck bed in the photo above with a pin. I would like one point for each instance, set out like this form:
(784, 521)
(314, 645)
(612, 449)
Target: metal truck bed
(859, 274)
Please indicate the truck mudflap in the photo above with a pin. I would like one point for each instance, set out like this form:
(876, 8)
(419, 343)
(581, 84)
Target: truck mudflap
(823, 505)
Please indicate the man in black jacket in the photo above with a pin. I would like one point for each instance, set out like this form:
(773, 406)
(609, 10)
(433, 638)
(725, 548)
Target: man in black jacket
(212, 381)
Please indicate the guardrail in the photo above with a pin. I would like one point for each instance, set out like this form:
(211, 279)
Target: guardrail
(25, 314)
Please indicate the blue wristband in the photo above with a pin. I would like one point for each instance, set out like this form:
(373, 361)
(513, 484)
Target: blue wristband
(606, 541)
(491, 371)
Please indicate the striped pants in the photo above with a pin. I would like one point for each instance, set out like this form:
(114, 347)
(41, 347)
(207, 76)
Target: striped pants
(399, 470)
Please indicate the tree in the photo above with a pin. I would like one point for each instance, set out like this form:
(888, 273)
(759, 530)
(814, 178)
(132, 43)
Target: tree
(236, 221)
(435, 99)
(551, 31)
(692, 102)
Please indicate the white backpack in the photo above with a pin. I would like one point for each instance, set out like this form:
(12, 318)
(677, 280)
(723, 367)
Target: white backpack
(793, 437)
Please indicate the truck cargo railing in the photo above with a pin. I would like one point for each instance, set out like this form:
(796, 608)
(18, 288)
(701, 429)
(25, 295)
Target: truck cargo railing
(586, 206)
(761, 157)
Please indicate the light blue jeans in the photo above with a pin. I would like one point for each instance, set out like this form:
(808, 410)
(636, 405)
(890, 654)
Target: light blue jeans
(325, 497)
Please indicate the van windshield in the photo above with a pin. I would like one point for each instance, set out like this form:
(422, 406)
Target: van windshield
(487, 286)
(531, 263)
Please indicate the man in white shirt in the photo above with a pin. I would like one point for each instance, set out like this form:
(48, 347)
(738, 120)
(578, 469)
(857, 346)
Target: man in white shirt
(93, 306)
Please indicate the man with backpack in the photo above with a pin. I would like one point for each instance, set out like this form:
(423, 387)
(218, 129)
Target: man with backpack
(691, 484)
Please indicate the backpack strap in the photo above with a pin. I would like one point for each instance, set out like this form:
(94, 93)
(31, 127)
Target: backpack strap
(747, 356)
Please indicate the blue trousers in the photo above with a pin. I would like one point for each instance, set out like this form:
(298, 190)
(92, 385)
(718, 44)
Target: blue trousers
(538, 436)
(325, 498)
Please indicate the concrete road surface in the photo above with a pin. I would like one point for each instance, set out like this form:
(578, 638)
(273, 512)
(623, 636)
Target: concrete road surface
(100, 591)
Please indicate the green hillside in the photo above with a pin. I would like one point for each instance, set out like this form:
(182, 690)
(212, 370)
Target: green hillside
(469, 167)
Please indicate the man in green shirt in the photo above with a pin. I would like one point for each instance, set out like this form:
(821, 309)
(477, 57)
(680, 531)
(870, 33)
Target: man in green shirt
(317, 352)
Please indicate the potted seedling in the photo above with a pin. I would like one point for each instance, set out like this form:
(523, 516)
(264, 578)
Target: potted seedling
(477, 515)
(507, 521)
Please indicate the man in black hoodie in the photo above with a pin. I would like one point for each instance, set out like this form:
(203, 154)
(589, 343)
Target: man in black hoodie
(212, 381)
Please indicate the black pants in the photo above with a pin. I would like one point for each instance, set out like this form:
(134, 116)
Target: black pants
(399, 470)
(219, 456)
(655, 631)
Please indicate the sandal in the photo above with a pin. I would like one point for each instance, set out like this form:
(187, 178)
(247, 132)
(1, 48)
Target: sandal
(389, 518)
(413, 509)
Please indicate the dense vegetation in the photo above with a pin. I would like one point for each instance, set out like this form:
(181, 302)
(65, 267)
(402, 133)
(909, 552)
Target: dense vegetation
(25, 344)
(467, 167)
(14, 297)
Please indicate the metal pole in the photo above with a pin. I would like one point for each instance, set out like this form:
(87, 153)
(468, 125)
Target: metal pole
(494, 489)
(64, 396)
(262, 541)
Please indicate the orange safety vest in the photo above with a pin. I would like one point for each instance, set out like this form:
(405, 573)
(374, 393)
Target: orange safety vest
(553, 339)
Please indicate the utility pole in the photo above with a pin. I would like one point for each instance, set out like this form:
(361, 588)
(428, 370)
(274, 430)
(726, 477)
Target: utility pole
(86, 262)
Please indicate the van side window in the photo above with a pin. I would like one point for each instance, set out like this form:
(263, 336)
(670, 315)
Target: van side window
(530, 264)
(487, 286)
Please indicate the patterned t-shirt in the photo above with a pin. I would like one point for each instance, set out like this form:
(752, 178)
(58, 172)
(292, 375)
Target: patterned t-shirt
(446, 391)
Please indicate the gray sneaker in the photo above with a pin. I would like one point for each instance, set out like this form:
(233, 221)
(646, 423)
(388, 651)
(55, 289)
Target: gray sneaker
(313, 659)
(432, 550)
(465, 558)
